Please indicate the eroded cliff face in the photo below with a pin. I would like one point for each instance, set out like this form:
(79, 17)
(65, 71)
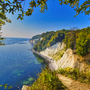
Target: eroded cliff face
(68, 59)
(53, 51)
(34, 41)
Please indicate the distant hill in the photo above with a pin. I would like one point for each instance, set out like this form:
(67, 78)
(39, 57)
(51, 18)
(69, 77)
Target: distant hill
(36, 37)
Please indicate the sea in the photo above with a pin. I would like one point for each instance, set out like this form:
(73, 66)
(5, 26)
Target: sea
(18, 65)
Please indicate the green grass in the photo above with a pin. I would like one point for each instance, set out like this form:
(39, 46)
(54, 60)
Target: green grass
(47, 81)
(76, 74)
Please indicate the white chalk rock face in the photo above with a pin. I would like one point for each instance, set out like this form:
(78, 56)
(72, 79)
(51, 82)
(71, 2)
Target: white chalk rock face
(53, 49)
(34, 41)
(60, 46)
(25, 87)
(67, 60)
(53, 66)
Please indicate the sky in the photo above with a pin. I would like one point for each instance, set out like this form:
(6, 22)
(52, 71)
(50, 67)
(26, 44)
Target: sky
(57, 17)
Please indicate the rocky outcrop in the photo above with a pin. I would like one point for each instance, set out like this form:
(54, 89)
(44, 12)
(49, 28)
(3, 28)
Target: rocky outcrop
(25, 87)
(34, 41)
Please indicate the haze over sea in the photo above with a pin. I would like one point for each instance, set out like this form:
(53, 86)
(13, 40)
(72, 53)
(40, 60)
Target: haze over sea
(18, 65)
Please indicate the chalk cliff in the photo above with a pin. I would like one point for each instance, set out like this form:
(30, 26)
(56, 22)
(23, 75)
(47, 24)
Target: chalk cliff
(68, 59)
(51, 51)
(34, 41)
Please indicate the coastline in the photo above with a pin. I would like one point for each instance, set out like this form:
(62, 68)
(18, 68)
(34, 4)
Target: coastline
(51, 62)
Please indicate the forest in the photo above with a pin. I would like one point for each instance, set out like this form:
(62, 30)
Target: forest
(78, 40)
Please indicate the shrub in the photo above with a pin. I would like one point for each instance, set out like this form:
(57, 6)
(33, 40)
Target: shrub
(47, 81)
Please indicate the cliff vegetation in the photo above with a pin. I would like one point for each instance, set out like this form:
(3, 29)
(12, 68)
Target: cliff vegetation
(71, 50)
(78, 40)
(47, 81)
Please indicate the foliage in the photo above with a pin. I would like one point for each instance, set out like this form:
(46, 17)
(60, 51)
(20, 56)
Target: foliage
(36, 37)
(75, 74)
(49, 39)
(70, 39)
(11, 6)
(6, 86)
(78, 40)
(1, 41)
(43, 43)
(83, 42)
(56, 38)
(79, 8)
(47, 81)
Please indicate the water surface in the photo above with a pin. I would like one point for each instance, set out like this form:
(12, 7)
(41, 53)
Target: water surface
(18, 65)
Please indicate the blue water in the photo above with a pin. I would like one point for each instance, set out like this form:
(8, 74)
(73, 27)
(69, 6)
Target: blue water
(18, 65)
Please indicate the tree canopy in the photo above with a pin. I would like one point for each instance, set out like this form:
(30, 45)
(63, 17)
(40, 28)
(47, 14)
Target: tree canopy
(78, 40)
(11, 6)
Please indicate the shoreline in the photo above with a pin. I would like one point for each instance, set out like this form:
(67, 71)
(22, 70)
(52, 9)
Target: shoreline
(51, 62)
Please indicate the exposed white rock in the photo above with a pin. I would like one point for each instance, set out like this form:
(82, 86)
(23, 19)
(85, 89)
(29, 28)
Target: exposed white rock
(25, 87)
(60, 46)
(67, 60)
(53, 49)
(34, 41)
(41, 39)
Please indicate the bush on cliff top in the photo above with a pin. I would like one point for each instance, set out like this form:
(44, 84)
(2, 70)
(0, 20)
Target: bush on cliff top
(78, 40)
(76, 74)
(47, 81)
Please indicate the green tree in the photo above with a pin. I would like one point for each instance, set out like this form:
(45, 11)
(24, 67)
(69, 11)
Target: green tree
(11, 6)
(49, 39)
(83, 42)
(70, 39)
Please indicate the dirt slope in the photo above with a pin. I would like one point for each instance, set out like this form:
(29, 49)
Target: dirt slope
(73, 85)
